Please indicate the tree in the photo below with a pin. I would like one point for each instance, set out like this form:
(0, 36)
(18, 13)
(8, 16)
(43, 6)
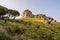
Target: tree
(13, 13)
(3, 11)
(9, 12)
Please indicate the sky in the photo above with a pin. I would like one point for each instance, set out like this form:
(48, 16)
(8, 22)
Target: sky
(48, 7)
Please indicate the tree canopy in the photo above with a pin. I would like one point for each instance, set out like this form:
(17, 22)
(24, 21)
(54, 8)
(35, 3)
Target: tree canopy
(13, 13)
(10, 12)
(3, 10)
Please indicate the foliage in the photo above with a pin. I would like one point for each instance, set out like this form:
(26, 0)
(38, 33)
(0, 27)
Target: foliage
(3, 10)
(28, 29)
(9, 12)
(13, 13)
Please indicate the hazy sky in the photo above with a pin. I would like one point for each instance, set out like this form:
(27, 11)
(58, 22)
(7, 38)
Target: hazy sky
(48, 7)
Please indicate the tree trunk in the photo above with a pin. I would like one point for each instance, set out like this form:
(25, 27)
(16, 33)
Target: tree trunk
(14, 17)
(0, 17)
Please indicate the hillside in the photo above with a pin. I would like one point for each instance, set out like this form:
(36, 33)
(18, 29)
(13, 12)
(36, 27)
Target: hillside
(28, 27)
(28, 30)
(33, 20)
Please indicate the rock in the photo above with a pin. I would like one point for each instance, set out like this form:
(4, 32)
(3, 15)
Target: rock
(27, 14)
(41, 16)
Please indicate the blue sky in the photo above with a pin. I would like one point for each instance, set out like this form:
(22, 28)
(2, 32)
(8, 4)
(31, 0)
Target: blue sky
(48, 7)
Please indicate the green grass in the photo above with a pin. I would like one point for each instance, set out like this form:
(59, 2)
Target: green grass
(29, 29)
(33, 20)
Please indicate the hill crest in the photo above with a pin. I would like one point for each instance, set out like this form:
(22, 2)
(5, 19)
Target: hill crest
(28, 14)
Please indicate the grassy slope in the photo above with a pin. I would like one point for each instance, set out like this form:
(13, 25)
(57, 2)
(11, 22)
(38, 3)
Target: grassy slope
(33, 20)
(29, 29)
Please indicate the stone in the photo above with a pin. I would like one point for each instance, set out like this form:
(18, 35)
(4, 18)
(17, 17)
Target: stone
(27, 14)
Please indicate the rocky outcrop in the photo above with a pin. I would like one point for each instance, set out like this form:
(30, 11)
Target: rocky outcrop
(41, 16)
(28, 14)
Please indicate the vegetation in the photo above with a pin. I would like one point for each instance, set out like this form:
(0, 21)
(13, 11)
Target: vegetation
(13, 13)
(9, 12)
(27, 28)
(3, 11)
